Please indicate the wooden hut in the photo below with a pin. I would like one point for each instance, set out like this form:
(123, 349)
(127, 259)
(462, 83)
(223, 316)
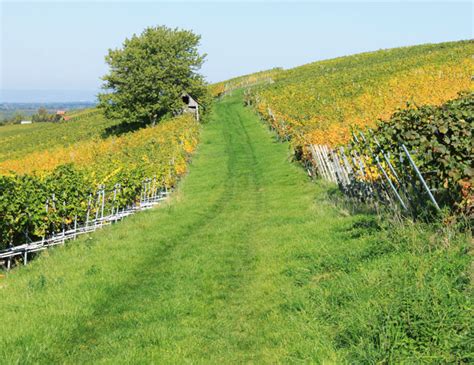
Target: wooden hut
(191, 105)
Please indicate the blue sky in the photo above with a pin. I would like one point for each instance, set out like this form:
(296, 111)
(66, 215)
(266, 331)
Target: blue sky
(55, 50)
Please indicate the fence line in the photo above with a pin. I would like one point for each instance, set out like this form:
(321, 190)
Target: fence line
(405, 190)
(402, 188)
(150, 195)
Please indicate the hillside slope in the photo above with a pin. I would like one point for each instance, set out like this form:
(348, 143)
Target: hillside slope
(320, 102)
(17, 141)
(249, 262)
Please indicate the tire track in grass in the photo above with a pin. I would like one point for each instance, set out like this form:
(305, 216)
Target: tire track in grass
(204, 278)
(89, 335)
(249, 263)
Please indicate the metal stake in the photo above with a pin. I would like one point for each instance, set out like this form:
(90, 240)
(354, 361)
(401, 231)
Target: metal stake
(423, 182)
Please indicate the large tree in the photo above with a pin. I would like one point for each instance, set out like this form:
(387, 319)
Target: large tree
(149, 74)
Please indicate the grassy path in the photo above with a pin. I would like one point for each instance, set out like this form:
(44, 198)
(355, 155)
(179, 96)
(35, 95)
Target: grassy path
(247, 263)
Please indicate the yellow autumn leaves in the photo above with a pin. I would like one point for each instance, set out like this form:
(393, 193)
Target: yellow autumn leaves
(320, 103)
(150, 148)
(244, 81)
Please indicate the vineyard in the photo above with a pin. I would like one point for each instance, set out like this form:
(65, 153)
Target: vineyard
(442, 137)
(318, 214)
(244, 81)
(248, 262)
(19, 141)
(48, 190)
(378, 167)
(320, 103)
(329, 103)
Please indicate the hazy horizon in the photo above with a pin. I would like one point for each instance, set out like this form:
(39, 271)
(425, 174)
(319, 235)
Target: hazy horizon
(47, 96)
(54, 51)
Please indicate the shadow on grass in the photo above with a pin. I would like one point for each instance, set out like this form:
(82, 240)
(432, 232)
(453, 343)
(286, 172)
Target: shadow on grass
(351, 205)
(121, 129)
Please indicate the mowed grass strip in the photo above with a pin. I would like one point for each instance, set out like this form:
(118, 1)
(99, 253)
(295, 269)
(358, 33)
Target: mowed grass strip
(249, 262)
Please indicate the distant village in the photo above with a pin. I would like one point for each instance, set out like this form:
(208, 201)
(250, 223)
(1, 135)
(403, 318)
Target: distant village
(49, 117)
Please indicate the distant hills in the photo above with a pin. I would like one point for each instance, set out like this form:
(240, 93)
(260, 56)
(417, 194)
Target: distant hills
(8, 109)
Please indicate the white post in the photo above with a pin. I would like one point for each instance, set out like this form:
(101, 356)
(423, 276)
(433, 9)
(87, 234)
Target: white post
(75, 226)
(89, 201)
(64, 221)
(102, 206)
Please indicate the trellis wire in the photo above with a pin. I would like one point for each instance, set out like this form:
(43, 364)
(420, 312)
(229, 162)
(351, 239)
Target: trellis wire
(348, 170)
(150, 195)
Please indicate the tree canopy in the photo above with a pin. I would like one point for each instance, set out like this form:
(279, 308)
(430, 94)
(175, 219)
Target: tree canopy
(149, 74)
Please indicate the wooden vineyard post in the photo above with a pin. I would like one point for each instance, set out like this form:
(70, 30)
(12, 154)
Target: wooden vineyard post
(324, 172)
(323, 163)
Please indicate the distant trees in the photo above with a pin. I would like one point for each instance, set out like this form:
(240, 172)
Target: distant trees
(149, 74)
(14, 119)
(42, 115)
(21, 114)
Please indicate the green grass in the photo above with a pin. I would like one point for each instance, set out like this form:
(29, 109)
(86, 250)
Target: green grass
(249, 262)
